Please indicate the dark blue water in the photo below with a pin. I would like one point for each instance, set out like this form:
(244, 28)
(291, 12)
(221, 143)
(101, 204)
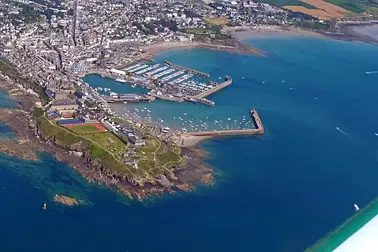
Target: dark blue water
(278, 192)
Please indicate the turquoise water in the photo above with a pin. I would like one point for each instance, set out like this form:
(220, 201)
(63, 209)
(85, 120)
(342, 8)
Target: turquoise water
(97, 81)
(278, 192)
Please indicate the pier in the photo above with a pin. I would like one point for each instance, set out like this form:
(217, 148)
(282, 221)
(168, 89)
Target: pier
(169, 81)
(182, 79)
(128, 98)
(147, 69)
(167, 98)
(192, 138)
(156, 71)
(215, 89)
(163, 73)
(138, 68)
(186, 69)
(173, 75)
(200, 100)
(130, 67)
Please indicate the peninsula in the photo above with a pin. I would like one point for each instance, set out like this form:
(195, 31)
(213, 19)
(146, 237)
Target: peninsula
(46, 48)
(78, 127)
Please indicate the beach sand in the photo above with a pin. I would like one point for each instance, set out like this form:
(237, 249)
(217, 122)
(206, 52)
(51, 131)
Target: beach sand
(243, 32)
(239, 47)
(238, 33)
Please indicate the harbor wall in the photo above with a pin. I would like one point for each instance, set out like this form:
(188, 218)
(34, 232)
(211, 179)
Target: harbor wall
(186, 69)
(227, 83)
(192, 138)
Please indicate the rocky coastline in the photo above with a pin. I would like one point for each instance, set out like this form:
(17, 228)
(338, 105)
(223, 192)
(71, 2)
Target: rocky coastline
(30, 140)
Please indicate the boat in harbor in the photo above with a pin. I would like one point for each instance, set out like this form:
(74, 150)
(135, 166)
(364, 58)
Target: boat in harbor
(165, 130)
(121, 80)
(356, 207)
(44, 206)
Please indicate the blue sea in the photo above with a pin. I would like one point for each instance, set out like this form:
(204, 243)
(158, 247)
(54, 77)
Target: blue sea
(278, 192)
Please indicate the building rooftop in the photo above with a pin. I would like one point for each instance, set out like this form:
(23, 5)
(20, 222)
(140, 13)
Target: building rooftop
(63, 102)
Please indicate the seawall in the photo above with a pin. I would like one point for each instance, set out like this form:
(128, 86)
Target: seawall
(215, 89)
(192, 138)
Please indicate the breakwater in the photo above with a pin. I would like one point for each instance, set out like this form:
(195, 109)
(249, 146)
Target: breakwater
(192, 138)
(215, 89)
(127, 98)
(168, 98)
(186, 69)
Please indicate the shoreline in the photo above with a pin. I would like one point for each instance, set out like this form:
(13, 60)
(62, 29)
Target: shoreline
(238, 48)
(184, 177)
(346, 32)
(29, 140)
(238, 34)
(243, 32)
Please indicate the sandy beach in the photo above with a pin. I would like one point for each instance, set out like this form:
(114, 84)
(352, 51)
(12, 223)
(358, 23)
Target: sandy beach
(238, 33)
(241, 33)
(244, 32)
(239, 48)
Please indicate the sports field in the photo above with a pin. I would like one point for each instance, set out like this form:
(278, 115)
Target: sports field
(81, 129)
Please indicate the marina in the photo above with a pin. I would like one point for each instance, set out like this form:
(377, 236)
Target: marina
(137, 68)
(148, 69)
(125, 98)
(172, 76)
(185, 120)
(163, 73)
(155, 71)
(131, 67)
(188, 139)
(187, 69)
(175, 83)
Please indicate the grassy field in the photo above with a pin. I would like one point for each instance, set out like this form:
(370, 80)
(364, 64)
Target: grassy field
(65, 137)
(216, 21)
(153, 159)
(85, 129)
(109, 142)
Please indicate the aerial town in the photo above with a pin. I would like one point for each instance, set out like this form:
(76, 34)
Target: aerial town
(54, 44)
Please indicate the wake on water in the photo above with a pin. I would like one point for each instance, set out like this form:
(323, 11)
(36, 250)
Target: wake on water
(371, 72)
(343, 132)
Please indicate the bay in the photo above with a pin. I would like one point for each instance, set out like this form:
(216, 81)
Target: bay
(278, 192)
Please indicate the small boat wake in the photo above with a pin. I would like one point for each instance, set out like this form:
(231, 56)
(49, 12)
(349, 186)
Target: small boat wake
(343, 132)
(371, 72)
